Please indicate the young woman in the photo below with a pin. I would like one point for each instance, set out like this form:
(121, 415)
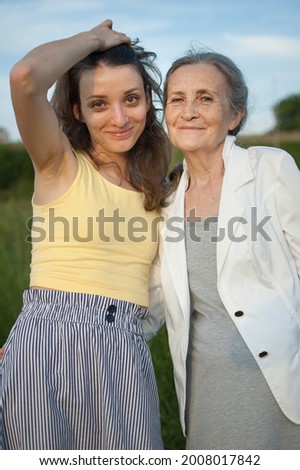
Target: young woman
(77, 373)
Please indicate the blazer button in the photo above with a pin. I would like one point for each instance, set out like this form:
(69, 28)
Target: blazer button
(239, 313)
(263, 354)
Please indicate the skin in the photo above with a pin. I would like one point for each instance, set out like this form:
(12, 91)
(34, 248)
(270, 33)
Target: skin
(198, 117)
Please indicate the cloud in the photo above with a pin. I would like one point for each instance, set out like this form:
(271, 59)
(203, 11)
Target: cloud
(279, 47)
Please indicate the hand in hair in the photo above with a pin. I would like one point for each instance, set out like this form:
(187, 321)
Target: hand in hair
(108, 37)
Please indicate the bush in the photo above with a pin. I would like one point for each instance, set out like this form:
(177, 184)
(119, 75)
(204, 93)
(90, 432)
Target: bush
(287, 113)
(14, 261)
(14, 163)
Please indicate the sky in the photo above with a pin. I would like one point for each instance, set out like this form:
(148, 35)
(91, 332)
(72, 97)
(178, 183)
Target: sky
(261, 36)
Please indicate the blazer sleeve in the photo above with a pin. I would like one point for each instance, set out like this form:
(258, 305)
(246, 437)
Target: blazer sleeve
(156, 317)
(288, 204)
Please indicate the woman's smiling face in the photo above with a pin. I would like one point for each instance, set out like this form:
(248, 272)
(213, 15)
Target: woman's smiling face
(198, 114)
(114, 107)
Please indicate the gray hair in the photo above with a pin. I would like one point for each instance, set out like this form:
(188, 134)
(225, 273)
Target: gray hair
(238, 90)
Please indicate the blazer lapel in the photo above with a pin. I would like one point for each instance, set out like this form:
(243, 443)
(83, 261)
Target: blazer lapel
(174, 246)
(238, 172)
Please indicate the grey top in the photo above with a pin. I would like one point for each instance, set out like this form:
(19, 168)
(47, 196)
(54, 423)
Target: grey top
(229, 404)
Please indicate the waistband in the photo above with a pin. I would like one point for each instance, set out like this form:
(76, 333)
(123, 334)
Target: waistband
(81, 308)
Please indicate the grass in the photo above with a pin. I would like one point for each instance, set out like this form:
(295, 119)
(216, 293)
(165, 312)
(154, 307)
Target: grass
(14, 255)
(171, 428)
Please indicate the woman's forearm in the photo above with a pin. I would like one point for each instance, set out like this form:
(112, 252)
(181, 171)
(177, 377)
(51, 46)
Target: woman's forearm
(43, 65)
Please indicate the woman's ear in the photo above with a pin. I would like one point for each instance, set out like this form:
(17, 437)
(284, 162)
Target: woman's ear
(236, 119)
(76, 112)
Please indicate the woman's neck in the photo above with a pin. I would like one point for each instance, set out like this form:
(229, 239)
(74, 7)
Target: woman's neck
(113, 167)
(204, 170)
(202, 197)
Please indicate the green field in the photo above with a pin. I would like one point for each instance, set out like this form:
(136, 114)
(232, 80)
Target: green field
(14, 272)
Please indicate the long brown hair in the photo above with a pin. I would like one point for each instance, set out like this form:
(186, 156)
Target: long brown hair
(148, 160)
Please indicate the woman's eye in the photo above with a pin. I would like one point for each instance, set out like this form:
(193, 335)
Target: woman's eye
(98, 104)
(176, 100)
(132, 99)
(206, 99)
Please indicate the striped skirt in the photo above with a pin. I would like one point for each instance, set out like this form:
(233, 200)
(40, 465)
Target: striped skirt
(77, 374)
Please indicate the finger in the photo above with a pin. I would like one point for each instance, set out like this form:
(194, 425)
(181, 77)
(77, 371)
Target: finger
(108, 23)
(126, 38)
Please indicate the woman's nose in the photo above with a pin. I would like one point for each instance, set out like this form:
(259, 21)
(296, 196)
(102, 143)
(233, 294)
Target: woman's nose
(119, 116)
(189, 110)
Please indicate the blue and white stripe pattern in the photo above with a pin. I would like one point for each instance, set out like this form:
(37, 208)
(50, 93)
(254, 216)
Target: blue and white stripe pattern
(77, 374)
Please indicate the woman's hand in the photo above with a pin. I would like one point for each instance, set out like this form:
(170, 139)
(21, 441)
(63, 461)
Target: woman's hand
(108, 37)
(1, 352)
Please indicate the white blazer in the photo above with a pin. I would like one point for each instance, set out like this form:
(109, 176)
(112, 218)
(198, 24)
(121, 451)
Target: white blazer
(258, 266)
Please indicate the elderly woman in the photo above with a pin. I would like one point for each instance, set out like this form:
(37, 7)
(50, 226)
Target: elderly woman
(230, 267)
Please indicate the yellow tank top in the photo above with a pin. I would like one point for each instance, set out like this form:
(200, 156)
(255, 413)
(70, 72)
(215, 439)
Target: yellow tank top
(97, 238)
